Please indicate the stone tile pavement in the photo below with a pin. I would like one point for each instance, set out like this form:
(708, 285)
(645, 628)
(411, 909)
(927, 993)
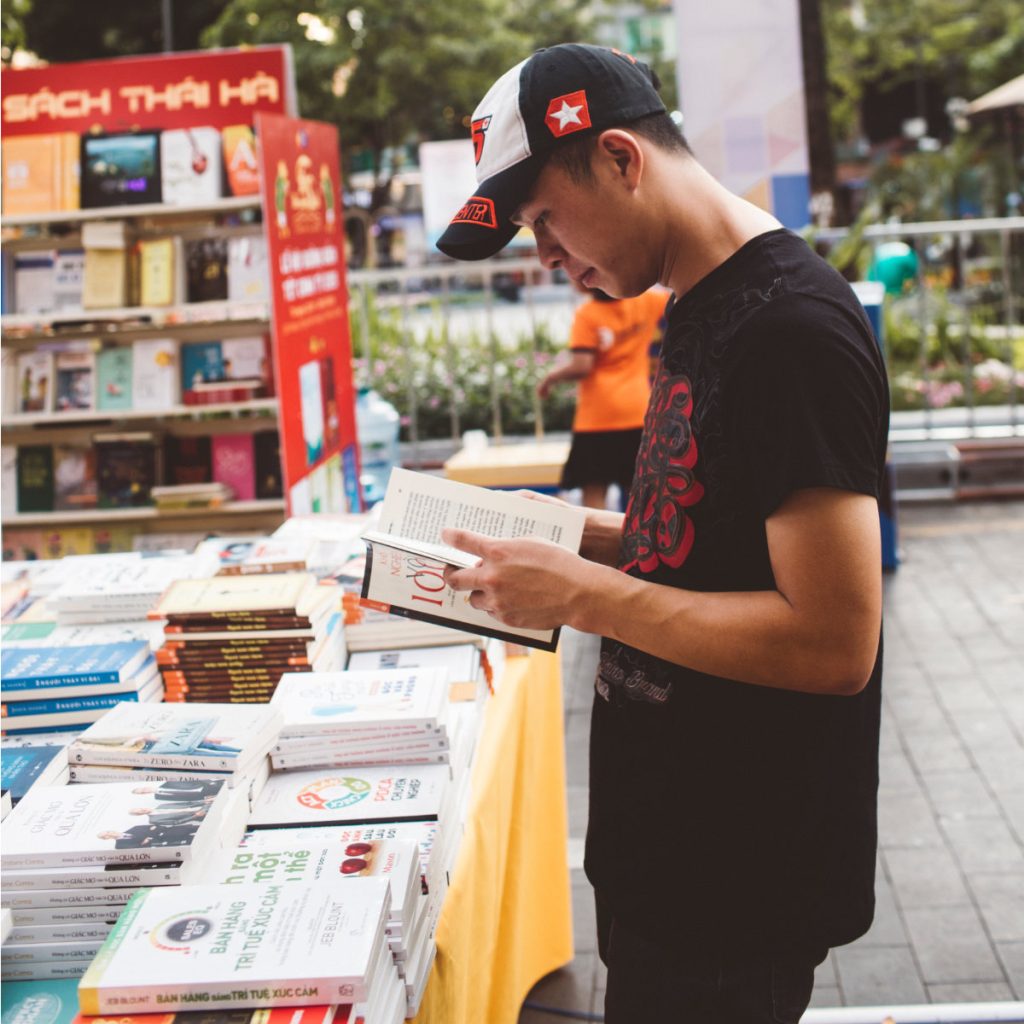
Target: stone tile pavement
(949, 924)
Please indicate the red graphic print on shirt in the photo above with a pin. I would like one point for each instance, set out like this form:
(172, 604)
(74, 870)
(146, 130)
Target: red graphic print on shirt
(658, 530)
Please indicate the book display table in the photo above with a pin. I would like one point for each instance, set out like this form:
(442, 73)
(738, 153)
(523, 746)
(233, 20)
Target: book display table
(507, 917)
(534, 464)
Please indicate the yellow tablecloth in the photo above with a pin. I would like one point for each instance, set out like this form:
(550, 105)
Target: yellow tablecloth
(507, 917)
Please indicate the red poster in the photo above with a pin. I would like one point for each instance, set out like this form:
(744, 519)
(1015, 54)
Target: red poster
(300, 180)
(175, 90)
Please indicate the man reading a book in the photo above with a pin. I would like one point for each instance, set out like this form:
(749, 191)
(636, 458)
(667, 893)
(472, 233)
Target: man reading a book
(734, 738)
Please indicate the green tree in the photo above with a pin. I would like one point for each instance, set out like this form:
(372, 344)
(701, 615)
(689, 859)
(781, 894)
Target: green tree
(389, 72)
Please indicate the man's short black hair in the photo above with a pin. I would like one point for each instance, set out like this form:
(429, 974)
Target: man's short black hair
(574, 155)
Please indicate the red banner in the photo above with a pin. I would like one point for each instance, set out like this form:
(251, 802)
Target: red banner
(300, 181)
(175, 90)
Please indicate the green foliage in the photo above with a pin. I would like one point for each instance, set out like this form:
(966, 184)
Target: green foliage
(438, 373)
(388, 73)
(12, 27)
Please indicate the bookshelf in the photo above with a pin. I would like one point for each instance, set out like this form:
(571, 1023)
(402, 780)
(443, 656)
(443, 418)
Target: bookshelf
(147, 513)
(256, 407)
(229, 204)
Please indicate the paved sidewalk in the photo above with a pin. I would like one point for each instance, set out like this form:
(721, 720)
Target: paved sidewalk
(950, 895)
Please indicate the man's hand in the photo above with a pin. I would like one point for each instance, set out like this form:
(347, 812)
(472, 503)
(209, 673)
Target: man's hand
(524, 583)
(602, 530)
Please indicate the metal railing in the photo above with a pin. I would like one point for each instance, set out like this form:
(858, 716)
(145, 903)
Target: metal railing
(967, 293)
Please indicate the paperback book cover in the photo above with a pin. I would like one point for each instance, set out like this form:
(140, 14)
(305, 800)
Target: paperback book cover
(126, 468)
(352, 796)
(197, 736)
(267, 453)
(158, 272)
(75, 381)
(155, 383)
(331, 703)
(190, 165)
(248, 270)
(105, 279)
(35, 478)
(35, 382)
(234, 464)
(243, 172)
(406, 556)
(287, 593)
(24, 767)
(241, 945)
(114, 378)
(187, 460)
(201, 362)
(68, 279)
(37, 1002)
(32, 668)
(206, 262)
(74, 474)
(34, 173)
(108, 823)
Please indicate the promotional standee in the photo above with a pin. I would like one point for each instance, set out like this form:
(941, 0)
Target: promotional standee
(301, 190)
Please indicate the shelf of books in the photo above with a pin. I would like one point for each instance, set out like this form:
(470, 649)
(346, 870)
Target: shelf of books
(142, 356)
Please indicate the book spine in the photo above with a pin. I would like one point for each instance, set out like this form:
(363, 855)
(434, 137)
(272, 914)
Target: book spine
(130, 759)
(287, 763)
(68, 679)
(44, 972)
(47, 899)
(95, 931)
(97, 879)
(31, 917)
(67, 692)
(15, 709)
(28, 860)
(111, 773)
(52, 721)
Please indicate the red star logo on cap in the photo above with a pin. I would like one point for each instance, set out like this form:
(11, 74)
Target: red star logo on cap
(568, 113)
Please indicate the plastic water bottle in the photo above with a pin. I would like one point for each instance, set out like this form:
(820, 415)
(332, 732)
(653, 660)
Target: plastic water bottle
(377, 424)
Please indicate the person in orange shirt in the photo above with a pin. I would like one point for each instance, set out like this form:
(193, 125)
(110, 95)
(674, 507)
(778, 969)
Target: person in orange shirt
(608, 356)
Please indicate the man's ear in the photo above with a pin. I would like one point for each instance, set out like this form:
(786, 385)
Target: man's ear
(620, 150)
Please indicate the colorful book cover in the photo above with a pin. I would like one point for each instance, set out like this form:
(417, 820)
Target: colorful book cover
(155, 376)
(157, 272)
(74, 473)
(244, 945)
(69, 540)
(330, 703)
(246, 359)
(210, 737)
(188, 460)
(110, 823)
(33, 281)
(114, 378)
(206, 262)
(22, 767)
(243, 172)
(35, 478)
(126, 469)
(201, 362)
(190, 165)
(54, 1001)
(31, 668)
(267, 446)
(75, 381)
(38, 171)
(234, 464)
(35, 382)
(352, 796)
(23, 545)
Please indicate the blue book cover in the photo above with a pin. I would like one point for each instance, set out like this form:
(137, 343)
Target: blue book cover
(20, 708)
(28, 668)
(40, 1002)
(201, 362)
(21, 766)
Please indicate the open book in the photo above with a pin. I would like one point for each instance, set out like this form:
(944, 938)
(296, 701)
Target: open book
(406, 556)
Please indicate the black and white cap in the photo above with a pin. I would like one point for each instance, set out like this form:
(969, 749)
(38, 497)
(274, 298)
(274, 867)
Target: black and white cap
(550, 96)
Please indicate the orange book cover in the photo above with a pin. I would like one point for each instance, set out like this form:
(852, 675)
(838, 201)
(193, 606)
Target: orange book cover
(240, 160)
(40, 173)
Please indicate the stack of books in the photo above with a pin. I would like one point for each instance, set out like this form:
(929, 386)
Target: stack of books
(49, 688)
(73, 856)
(244, 556)
(250, 945)
(339, 719)
(178, 496)
(231, 638)
(317, 856)
(189, 747)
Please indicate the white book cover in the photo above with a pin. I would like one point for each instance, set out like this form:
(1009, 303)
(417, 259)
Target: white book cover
(155, 375)
(123, 584)
(219, 737)
(92, 633)
(327, 703)
(242, 945)
(425, 834)
(301, 861)
(248, 270)
(42, 899)
(190, 166)
(110, 823)
(461, 660)
(35, 385)
(407, 555)
(68, 279)
(33, 281)
(352, 796)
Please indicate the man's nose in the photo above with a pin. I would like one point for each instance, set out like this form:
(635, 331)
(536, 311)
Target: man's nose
(549, 252)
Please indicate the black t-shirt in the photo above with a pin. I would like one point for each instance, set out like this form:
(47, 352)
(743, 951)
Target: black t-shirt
(724, 814)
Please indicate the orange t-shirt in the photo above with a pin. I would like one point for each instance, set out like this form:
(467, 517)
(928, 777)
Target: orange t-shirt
(614, 396)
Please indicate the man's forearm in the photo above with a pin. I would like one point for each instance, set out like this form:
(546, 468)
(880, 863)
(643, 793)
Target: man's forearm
(754, 637)
(602, 537)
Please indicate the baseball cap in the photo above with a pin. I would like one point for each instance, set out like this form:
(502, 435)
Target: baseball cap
(552, 96)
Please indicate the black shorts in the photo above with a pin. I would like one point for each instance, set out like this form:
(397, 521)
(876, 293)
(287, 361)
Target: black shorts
(602, 457)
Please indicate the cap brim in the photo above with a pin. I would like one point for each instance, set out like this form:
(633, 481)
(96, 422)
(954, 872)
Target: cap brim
(483, 226)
